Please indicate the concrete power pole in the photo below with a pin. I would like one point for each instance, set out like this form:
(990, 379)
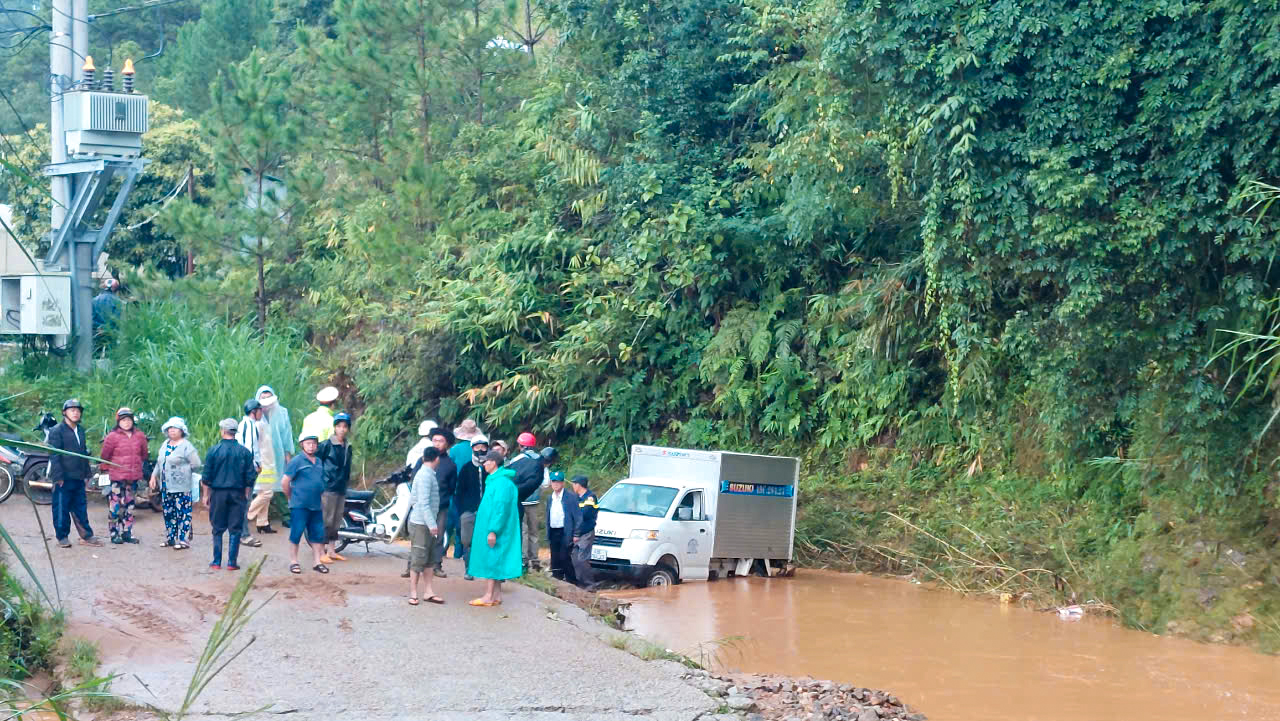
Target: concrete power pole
(69, 41)
(96, 136)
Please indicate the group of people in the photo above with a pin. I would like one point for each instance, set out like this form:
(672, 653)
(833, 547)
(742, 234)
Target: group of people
(239, 478)
(465, 490)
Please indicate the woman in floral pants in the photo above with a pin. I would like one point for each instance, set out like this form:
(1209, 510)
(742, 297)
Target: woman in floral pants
(126, 449)
(173, 477)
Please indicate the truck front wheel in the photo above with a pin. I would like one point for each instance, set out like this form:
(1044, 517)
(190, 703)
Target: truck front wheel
(662, 576)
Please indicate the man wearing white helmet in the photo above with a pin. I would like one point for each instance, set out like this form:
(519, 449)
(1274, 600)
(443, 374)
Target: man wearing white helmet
(319, 423)
(424, 439)
(106, 306)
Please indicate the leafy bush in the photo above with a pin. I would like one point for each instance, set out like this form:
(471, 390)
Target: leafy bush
(29, 632)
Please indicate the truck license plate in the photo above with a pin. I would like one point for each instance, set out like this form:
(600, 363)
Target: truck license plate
(598, 553)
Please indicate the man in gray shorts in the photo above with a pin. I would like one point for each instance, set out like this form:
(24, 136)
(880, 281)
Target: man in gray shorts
(424, 528)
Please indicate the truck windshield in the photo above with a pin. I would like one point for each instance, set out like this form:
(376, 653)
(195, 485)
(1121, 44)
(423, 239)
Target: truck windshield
(638, 499)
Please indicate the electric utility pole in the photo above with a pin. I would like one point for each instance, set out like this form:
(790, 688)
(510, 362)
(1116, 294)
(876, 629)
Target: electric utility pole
(95, 133)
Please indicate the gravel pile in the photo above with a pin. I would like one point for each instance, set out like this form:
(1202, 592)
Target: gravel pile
(781, 698)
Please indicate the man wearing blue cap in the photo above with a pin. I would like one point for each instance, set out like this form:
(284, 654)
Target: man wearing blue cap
(562, 518)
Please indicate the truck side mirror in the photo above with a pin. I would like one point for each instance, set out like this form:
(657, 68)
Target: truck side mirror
(684, 513)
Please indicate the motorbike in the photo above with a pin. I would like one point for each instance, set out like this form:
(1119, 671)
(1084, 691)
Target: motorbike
(29, 468)
(363, 522)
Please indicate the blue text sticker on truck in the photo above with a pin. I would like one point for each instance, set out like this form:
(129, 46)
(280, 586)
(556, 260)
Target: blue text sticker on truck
(757, 489)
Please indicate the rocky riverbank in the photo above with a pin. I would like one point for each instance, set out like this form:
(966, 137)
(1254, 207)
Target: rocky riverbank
(782, 698)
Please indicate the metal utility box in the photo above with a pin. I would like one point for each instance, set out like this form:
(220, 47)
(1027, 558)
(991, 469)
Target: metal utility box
(104, 124)
(35, 304)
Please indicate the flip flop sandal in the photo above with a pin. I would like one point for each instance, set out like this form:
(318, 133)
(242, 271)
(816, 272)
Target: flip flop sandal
(436, 600)
(295, 568)
(166, 544)
(180, 546)
(320, 568)
(414, 601)
(480, 602)
(252, 543)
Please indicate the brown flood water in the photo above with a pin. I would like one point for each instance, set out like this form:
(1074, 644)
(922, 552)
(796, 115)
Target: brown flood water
(955, 658)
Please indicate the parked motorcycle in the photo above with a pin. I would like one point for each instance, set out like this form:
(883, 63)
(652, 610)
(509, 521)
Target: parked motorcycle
(30, 468)
(362, 522)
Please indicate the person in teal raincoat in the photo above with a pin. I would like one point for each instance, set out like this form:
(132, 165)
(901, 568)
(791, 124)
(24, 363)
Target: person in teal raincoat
(495, 544)
(282, 446)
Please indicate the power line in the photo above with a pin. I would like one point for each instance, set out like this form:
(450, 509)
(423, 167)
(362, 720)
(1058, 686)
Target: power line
(144, 6)
(182, 183)
(9, 11)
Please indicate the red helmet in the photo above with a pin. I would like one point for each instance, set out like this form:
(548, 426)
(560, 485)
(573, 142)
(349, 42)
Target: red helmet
(526, 439)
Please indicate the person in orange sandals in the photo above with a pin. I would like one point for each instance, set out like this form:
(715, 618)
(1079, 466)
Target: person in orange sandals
(495, 544)
(335, 459)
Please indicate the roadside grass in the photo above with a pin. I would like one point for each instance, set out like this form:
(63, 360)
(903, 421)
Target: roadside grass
(83, 660)
(646, 650)
(167, 361)
(27, 651)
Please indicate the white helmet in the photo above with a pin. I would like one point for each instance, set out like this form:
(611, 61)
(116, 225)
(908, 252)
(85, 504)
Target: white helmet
(175, 422)
(425, 427)
(328, 394)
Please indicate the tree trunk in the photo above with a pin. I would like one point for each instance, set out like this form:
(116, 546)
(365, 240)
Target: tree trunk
(262, 289)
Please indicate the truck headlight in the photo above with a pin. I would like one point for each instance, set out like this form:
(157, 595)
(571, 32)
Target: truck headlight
(644, 535)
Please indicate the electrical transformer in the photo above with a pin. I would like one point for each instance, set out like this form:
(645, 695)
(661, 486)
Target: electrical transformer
(102, 124)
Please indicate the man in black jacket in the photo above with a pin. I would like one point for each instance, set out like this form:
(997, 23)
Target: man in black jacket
(562, 520)
(68, 475)
(530, 469)
(229, 473)
(584, 533)
(467, 494)
(335, 462)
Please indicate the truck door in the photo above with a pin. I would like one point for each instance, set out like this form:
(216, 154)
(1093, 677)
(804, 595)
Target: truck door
(692, 535)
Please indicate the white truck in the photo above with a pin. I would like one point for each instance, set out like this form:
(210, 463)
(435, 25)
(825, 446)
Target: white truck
(683, 515)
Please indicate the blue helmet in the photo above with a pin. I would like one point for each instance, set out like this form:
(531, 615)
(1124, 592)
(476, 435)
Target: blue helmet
(342, 418)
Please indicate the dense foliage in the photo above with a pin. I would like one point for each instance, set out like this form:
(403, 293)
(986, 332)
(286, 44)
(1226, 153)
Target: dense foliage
(972, 259)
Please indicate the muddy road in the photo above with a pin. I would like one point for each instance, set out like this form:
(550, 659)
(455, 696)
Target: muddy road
(342, 645)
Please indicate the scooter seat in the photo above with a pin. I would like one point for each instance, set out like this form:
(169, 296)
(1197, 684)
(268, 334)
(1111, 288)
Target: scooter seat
(360, 495)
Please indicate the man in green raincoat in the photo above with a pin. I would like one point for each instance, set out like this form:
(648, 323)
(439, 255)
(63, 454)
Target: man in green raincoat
(495, 545)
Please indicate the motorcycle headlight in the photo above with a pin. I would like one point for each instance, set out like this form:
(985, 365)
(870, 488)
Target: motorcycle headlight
(644, 535)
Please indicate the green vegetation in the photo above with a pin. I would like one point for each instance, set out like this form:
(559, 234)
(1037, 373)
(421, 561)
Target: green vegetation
(646, 650)
(999, 273)
(83, 659)
(29, 632)
(170, 358)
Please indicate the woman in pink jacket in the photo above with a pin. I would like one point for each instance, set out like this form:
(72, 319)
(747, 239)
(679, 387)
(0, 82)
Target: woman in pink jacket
(126, 448)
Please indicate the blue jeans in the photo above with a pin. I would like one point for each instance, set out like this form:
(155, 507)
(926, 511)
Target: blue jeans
(69, 502)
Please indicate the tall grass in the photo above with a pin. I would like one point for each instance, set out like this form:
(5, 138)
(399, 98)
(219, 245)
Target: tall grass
(169, 361)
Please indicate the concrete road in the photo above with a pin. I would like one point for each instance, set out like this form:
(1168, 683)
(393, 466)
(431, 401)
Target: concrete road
(344, 645)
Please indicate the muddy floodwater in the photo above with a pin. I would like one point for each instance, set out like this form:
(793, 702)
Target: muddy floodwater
(955, 658)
